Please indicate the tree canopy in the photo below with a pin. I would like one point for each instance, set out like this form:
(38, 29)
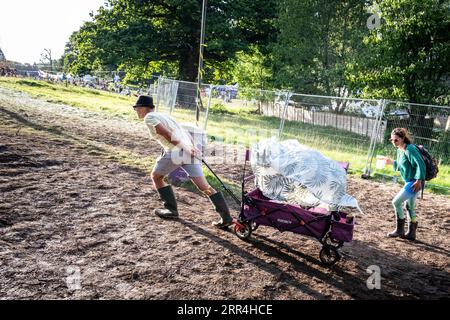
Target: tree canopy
(322, 47)
(318, 41)
(163, 35)
(408, 57)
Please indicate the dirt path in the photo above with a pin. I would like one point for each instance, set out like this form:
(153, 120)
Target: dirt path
(68, 207)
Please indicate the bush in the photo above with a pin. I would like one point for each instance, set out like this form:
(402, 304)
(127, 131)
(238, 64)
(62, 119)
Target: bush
(32, 83)
(442, 152)
(220, 108)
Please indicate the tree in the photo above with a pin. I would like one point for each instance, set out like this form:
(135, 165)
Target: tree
(410, 58)
(46, 58)
(147, 34)
(409, 55)
(317, 43)
(82, 53)
(251, 70)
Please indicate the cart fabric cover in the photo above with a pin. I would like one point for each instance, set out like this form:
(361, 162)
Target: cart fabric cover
(290, 172)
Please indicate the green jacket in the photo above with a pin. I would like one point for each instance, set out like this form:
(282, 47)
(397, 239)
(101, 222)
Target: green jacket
(410, 164)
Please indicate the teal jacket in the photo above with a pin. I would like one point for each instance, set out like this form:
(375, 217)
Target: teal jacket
(410, 164)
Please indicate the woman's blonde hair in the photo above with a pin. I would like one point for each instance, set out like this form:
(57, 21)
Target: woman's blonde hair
(404, 134)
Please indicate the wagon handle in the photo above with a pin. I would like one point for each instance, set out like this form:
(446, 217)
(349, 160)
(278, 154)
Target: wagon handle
(223, 184)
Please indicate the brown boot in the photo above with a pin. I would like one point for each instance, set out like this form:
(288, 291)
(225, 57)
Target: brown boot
(221, 207)
(411, 235)
(399, 231)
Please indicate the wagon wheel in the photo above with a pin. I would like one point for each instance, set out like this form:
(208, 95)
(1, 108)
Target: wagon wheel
(335, 243)
(243, 230)
(329, 255)
(328, 240)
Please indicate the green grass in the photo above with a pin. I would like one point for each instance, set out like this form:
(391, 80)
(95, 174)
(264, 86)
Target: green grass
(231, 125)
(234, 107)
(89, 99)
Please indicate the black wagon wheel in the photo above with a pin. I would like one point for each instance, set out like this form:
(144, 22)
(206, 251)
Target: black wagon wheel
(243, 230)
(329, 255)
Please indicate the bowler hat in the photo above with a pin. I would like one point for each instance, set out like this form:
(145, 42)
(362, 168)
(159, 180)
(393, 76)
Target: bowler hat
(144, 101)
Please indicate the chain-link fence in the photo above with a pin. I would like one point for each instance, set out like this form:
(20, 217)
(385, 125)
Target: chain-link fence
(341, 128)
(179, 99)
(344, 129)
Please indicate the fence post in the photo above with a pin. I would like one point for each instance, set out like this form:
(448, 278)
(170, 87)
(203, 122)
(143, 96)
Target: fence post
(158, 93)
(373, 141)
(174, 91)
(283, 117)
(207, 107)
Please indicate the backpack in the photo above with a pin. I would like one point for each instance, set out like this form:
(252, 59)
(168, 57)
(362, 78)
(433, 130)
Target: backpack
(431, 164)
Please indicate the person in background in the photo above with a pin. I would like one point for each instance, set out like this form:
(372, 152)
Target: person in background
(410, 164)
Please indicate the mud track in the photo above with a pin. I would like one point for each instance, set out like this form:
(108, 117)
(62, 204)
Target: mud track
(69, 206)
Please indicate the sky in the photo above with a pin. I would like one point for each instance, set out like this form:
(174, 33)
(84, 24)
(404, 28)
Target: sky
(27, 27)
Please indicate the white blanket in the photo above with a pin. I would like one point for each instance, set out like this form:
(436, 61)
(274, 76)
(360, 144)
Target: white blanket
(290, 172)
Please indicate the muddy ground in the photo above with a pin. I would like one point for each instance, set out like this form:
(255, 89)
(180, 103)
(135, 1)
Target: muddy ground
(75, 223)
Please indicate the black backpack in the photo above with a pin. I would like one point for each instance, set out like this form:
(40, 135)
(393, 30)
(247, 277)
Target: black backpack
(431, 164)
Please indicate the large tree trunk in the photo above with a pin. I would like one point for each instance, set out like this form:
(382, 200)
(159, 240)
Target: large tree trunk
(188, 65)
(187, 72)
(188, 69)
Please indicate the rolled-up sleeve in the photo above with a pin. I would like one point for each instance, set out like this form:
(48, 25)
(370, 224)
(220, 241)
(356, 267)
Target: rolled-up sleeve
(151, 121)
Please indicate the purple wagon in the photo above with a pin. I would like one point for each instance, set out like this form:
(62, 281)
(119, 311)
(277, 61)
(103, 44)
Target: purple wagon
(330, 228)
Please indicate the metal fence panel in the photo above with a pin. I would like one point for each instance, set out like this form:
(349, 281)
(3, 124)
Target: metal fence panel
(345, 129)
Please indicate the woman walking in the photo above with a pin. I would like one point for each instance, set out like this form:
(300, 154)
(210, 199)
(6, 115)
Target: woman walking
(410, 164)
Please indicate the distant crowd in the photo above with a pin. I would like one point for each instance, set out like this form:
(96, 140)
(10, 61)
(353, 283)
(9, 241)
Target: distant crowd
(110, 84)
(8, 72)
(87, 81)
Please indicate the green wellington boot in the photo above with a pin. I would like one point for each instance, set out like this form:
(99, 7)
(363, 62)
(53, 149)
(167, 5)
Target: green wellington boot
(170, 203)
(399, 231)
(411, 235)
(221, 207)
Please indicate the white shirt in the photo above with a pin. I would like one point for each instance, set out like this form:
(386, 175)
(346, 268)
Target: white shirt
(152, 119)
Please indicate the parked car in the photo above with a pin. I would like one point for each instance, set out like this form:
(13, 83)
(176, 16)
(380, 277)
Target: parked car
(401, 114)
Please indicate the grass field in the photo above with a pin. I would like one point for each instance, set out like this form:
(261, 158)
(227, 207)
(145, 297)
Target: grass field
(231, 126)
